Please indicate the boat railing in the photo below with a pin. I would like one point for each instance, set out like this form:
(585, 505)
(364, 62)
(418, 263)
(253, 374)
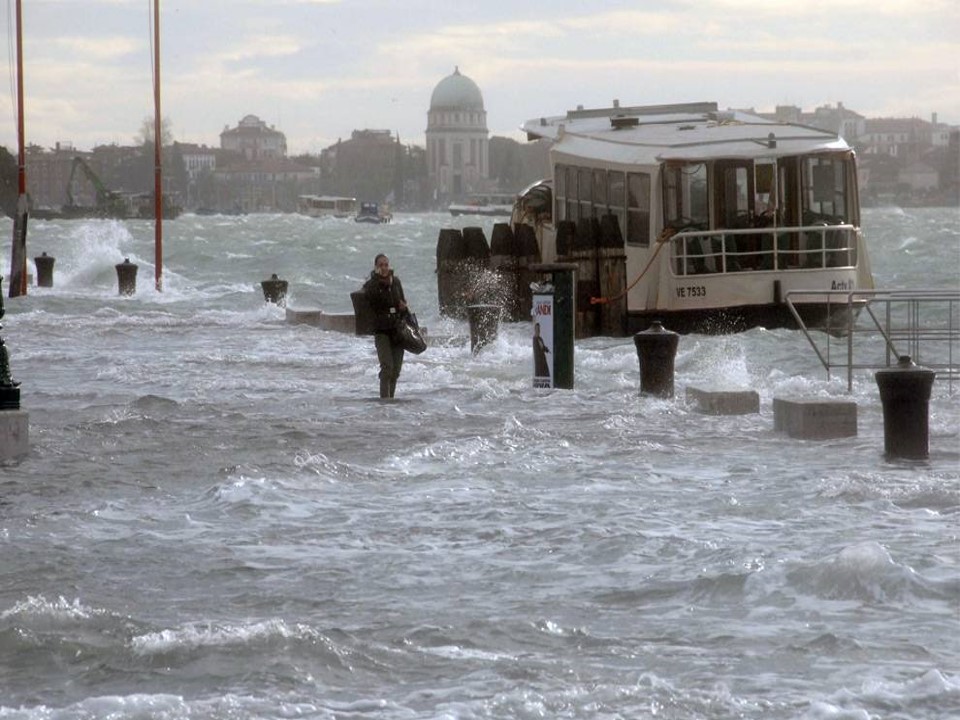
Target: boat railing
(801, 247)
(882, 325)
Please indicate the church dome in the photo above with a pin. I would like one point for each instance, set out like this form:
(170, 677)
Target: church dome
(456, 92)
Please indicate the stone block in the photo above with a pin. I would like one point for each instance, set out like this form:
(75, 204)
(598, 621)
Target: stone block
(14, 434)
(815, 418)
(724, 402)
(339, 322)
(303, 317)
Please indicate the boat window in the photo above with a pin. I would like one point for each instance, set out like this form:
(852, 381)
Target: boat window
(733, 183)
(824, 191)
(685, 196)
(584, 192)
(638, 209)
(560, 194)
(616, 187)
(573, 208)
(765, 204)
(788, 196)
(599, 192)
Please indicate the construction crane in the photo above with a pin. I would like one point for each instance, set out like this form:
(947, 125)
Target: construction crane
(109, 204)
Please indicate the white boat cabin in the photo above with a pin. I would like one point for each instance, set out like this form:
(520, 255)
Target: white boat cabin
(720, 213)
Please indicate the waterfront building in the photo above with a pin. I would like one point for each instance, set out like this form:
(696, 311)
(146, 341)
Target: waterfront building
(253, 140)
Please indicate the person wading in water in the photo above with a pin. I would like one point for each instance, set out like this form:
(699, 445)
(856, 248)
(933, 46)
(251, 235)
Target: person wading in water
(385, 294)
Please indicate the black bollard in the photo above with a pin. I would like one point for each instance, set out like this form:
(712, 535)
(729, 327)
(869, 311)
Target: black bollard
(484, 324)
(450, 254)
(656, 351)
(44, 265)
(274, 290)
(905, 394)
(127, 277)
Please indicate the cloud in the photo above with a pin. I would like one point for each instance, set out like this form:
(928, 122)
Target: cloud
(253, 48)
(100, 49)
(320, 68)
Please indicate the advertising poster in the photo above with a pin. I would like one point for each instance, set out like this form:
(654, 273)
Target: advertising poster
(543, 341)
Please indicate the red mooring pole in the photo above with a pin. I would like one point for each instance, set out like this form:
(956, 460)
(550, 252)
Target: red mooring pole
(18, 254)
(158, 153)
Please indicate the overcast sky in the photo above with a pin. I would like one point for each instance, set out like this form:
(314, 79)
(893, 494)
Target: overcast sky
(318, 69)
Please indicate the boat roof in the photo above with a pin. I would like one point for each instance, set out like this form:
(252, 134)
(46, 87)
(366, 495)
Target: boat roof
(688, 132)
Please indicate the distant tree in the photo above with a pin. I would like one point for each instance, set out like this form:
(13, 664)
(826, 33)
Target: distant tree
(505, 163)
(146, 134)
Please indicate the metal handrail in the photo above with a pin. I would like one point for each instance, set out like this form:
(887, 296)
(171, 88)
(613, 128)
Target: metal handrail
(904, 327)
(817, 257)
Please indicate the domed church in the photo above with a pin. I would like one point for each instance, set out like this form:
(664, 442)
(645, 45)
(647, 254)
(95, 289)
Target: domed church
(457, 144)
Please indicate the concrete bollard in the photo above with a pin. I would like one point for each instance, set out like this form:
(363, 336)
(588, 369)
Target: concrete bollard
(44, 265)
(656, 351)
(9, 390)
(14, 422)
(127, 277)
(484, 324)
(275, 290)
(905, 394)
(815, 418)
(713, 401)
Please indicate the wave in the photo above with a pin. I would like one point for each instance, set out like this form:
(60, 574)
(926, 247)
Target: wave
(932, 694)
(866, 573)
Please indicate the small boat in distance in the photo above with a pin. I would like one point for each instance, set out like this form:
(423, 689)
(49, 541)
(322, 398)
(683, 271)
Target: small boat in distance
(489, 204)
(326, 206)
(372, 213)
(707, 219)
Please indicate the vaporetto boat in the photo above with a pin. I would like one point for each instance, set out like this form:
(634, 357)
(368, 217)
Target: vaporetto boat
(327, 206)
(719, 214)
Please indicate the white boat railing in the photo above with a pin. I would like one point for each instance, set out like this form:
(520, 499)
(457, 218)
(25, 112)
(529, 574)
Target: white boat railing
(801, 247)
(882, 325)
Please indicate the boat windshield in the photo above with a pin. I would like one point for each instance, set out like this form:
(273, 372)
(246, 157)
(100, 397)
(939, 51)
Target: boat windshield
(824, 195)
(739, 193)
(685, 196)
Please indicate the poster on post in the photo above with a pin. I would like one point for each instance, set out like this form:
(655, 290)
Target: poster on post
(543, 341)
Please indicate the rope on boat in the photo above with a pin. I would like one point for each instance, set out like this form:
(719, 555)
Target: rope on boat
(665, 235)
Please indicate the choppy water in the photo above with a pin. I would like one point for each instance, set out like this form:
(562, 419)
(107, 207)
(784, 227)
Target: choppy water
(217, 520)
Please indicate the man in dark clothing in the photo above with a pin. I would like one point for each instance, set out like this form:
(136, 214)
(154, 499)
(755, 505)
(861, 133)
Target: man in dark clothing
(385, 294)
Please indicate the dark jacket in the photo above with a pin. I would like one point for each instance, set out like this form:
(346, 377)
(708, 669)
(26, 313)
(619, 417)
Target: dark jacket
(385, 301)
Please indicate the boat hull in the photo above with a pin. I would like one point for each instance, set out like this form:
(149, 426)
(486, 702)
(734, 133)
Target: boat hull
(834, 318)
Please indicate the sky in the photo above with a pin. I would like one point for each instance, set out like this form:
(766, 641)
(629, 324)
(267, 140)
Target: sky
(319, 69)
